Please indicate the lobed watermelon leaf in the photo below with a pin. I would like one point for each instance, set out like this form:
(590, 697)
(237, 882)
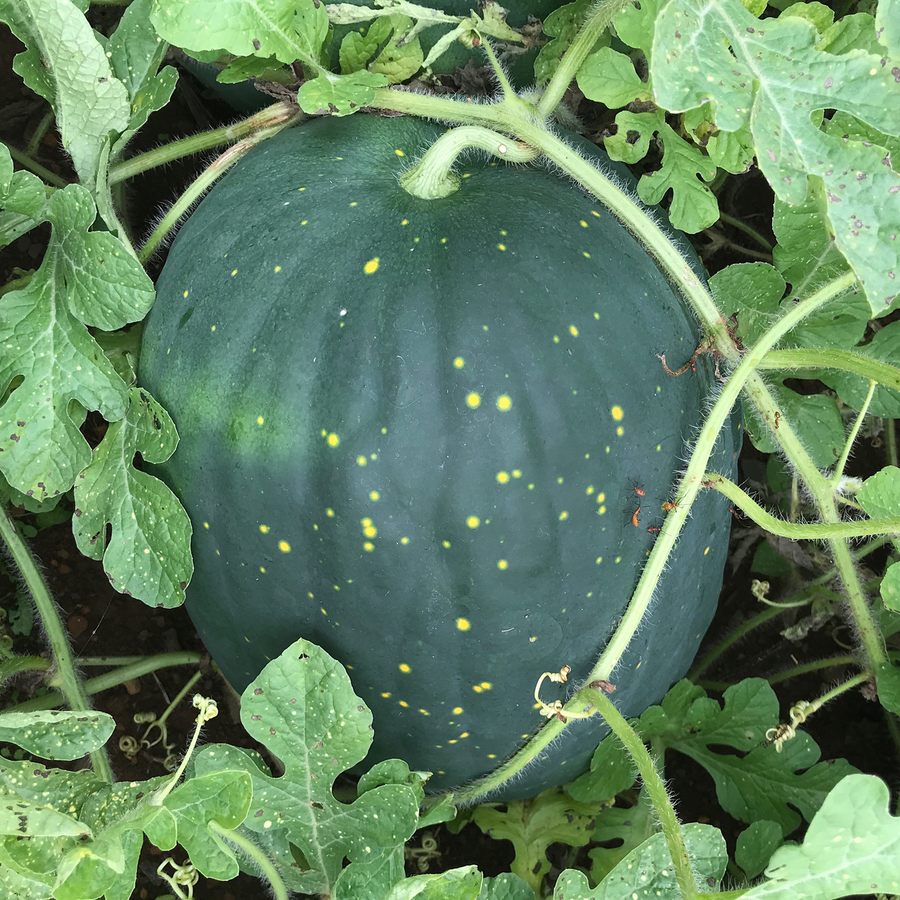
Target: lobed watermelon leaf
(148, 554)
(303, 709)
(56, 734)
(851, 847)
(771, 74)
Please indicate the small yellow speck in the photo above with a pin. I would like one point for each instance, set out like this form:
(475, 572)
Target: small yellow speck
(465, 734)
(443, 240)
(404, 541)
(374, 496)
(284, 546)
(262, 569)
(620, 431)
(504, 402)
(233, 272)
(405, 222)
(404, 704)
(502, 564)
(473, 521)
(368, 546)
(573, 331)
(332, 439)
(457, 710)
(583, 224)
(399, 153)
(463, 624)
(617, 413)
(385, 694)
(371, 266)
(264, 529)
(516, 473)
(354, 203)
(424, 712)
(501, 246)
(589, 490)
(502, 477)
(563, 516)
(459, 362)
(213, 328)
(370, 531)
(473, 400)
(492, 755)
(277, 269)
(445, 545)
(586, 255)
(329, 512)
(404, 668)
(706, 551)
(185, 294)
(260, 420)
(361, 460)
(599, 560)
(555, 338)
(595, 213)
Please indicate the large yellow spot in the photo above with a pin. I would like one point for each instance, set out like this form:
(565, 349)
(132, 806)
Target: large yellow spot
(284, 546)
(329, 512)
(502, 564)
(459, 362)
(463, 624)
(503, 402)
(501, 246)
(368, 546)
(404, 667)
(473, 521)
(473, 400)
(618, 413)
(371, 266)
(370, 531)
(502, 477)
(457, 710)
(404, 704)
(573, 331)
(333, 440)
(374, 495)
(361, 460)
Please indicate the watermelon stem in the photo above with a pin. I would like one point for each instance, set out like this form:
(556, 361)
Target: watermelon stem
(656, 789)
(432, 177)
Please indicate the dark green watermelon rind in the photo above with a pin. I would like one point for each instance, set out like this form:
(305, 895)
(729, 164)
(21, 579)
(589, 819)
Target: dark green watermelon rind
(246, 410)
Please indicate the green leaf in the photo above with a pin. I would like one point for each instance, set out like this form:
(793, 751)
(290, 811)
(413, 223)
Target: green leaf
(303, 709)
(851, 847)
(454, 884)
(244, 27)
(887, 678)
(339, 94)
(57, 734)
(561, 26)
(89, 869)
(136, 52)
(622, 829)
(647, 872)
(890, 587)
(20, 192)
(23, 820)
(755, 846)
(684, 171)
(18, 887)
(87, 278)
(66, 64)
(396, 63)
(505, 886)
(148, 555)
(609, 77)
(222, 797)
(764, 784)
(751, 292)
(769, 73)
(815, 418)
(612, 771)
(879, 495)
(533, 825)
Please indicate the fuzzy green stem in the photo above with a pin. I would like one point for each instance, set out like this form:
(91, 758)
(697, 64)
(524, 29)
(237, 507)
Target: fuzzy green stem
(654, 786)
(281, 113)
(844, 360)
(814, 666)
(202, 183)
(279, 891)
(599, 20)
(432, 177)
(39, 133)
(28, 163)
(746, 229)
(135, 668)
(813, 532)
(850, 440)
(70, 683)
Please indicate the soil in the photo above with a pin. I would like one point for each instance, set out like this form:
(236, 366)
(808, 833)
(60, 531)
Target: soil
(102, 622)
